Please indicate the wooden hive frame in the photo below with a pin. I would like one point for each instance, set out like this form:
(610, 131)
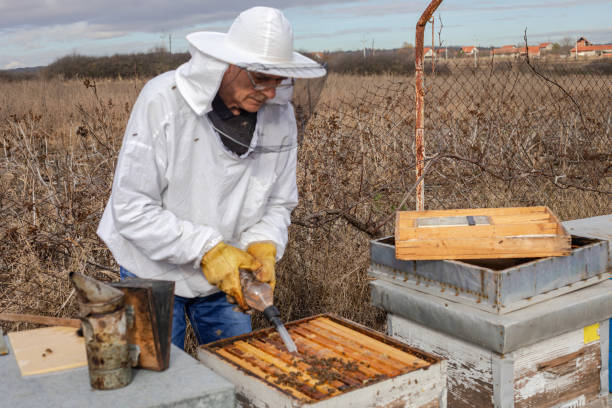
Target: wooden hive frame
(486, 233)
(335, 357)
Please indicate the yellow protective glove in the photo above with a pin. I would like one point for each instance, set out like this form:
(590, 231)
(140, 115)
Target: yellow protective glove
(221, 266)
(264, 252)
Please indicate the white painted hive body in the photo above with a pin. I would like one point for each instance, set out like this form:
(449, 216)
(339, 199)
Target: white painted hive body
(562, 371)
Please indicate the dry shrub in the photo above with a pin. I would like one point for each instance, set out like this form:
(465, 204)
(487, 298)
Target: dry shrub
(495, 137)
(59, 145)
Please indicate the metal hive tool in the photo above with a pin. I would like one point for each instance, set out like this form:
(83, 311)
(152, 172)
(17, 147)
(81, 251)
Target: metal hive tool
(335, 357)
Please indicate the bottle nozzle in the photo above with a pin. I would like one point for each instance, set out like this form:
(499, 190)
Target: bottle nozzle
(273, 315)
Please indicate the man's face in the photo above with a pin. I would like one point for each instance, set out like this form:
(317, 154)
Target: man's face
(237, 90)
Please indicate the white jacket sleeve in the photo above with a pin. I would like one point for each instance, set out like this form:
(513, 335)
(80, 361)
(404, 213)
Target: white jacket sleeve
(136, 199)
(281, 202)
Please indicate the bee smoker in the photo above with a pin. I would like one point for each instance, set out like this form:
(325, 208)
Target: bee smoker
(105, 321)
(125, 324)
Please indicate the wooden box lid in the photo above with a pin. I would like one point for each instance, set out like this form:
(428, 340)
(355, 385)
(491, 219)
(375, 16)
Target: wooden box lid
(481, 233)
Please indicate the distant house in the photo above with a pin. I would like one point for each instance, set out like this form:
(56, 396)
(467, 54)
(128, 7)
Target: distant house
(583, 42)
(427, 52)
(532, 51)
(547, 46)
(506, 51)
(597, 50)
(439, 52)
(471, 50)
(585, 49)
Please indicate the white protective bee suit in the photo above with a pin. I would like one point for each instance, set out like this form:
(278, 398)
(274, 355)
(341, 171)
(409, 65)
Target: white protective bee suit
(178, 191)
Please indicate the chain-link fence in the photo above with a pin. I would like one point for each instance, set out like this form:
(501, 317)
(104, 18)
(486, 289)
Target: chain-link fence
(501, 133)
(498, 133)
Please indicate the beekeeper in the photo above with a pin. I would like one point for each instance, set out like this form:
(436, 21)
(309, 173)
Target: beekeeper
(205, 180)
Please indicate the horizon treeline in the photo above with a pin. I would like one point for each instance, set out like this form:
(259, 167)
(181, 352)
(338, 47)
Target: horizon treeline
(147, 65)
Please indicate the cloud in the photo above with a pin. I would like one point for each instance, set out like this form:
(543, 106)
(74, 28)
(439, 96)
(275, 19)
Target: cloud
(593, 34)
(133, 15)
(32, 30)
(601, 35)
(13, 64)
(494, 6)
(375, 10)
(357, 30)
(40, 37)
(512, 5)
(47, 26)
(417, 7)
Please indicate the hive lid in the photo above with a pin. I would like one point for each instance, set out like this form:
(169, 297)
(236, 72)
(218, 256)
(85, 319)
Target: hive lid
(482, 233)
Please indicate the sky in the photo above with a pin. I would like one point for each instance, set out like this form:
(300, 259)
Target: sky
(37, 32)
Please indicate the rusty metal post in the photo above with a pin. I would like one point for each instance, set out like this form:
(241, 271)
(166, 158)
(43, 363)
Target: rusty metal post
(420, 100)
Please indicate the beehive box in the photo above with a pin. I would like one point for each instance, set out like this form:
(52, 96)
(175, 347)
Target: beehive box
(338, 364)
(484, 233)
(551, 354)
(566, 370)
(496, 285)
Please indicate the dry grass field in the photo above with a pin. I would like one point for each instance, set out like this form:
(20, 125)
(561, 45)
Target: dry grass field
(494, 138)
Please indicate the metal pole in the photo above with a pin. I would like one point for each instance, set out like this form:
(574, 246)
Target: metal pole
(433, 48)
(576, 53)
(420, 100)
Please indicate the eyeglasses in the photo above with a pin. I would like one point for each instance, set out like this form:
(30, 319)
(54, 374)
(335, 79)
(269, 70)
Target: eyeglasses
(264, 84)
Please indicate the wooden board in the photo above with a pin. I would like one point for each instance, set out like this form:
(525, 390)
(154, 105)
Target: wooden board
(38, 319)
(485, 233)
(48, 349)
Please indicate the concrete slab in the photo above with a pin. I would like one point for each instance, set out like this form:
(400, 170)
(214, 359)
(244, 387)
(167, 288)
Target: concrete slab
(499, 333)
(186, 383)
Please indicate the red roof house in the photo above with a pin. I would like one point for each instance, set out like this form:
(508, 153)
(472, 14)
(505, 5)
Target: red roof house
(427, 52)
(534, 51)
(546, 46)
(506, 51)
(471, 50)
(592, 50)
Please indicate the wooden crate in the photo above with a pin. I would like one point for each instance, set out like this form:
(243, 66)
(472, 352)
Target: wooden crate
(481, 233)
(339, 363)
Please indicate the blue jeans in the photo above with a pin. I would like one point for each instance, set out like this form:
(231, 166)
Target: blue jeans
(212, 317)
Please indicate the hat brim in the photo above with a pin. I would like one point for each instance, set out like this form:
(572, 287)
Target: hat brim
(217, 46)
